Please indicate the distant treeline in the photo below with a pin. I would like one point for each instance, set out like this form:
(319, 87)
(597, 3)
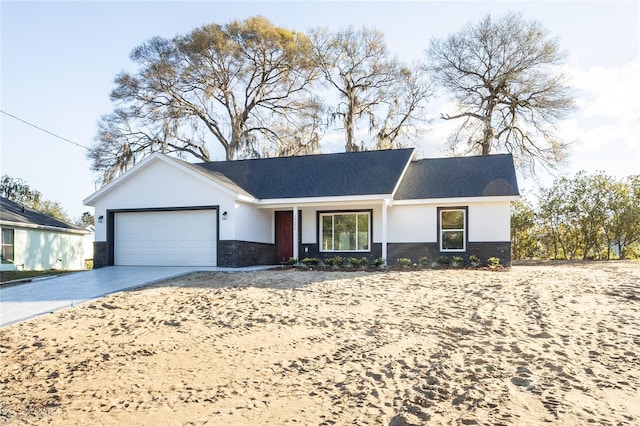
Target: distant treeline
(585, 217)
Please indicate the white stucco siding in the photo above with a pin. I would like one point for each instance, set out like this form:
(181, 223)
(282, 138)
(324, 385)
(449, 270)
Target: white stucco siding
(251, 224)
(489, 222)
(40, 250)
(412, 223)
(308, 226)
(161, 185)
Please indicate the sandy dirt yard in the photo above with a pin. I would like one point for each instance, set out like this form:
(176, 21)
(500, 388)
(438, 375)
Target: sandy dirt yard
(550, 343)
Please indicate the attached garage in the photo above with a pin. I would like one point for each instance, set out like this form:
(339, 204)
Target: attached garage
(165, 238)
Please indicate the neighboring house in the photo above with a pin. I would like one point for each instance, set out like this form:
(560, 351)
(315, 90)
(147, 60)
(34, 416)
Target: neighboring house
(35, 241)
(378, 204)
(88, 240)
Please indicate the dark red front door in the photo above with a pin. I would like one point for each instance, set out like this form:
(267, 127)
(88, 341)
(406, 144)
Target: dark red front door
(284, 235)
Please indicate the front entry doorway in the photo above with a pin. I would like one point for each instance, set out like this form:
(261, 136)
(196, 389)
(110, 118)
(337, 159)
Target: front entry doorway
(284, 236)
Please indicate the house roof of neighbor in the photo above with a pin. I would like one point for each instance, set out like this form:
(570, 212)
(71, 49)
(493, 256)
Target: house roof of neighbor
(15, 214)
(322, 175)
(453, 177)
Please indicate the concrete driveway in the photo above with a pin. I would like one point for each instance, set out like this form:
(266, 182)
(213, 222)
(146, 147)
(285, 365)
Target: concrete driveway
(24, 301)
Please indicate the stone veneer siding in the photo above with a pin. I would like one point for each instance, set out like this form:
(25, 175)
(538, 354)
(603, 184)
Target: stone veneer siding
(238, 254)
(313, 251)
(100, 254)
(415, 251)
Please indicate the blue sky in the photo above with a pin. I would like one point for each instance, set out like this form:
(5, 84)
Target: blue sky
(58, 61)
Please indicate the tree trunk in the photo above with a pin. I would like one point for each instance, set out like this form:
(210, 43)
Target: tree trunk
(349, 123)
(487, 131)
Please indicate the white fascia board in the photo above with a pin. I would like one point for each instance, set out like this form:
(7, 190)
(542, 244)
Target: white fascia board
(406, 167)
(90, 201)
(321, 201)
(458, 200)
(43, 227)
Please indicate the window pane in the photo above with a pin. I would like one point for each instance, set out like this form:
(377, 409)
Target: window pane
(345, 232)
(452, 240)
(452, 219)
(327, 233)
(7, 244)
(363, 232)
(7, 236)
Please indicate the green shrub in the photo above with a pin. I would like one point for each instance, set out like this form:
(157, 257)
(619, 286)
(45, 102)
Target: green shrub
(404, 262)
(424, 262)
(457, 260)
(442, 260)
(493, 262)
(364, 262)
(335, 261)
(354, 261)
(310, 261)
(474, 260)
(293, 261)
(378, 262)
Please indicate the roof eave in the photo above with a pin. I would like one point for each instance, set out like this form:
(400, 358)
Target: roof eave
(458, 200)
(43, 227)
(275, 203)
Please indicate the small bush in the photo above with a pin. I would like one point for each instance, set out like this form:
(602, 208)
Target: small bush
(354, 261)
(335, 262)
(310, 261)
(493, 262)
(378, 262)
(474, 260)
(404, 262)
(424, 262)
(293, 261)
(364, 263)
(443, 260)
(457, 261)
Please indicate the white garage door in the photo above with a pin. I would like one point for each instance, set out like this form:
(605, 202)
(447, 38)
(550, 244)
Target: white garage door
(171, 238)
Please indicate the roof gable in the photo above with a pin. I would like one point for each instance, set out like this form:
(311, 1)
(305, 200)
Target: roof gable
(17, 214)
(214, 179)
(476, 176)
(322, 175)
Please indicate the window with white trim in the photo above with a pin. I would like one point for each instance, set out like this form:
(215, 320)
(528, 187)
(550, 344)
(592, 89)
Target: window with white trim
(7, 244)
(345, 231)
(453, 231)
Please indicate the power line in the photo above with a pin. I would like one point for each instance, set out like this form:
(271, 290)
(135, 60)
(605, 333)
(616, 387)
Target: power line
(44, 130)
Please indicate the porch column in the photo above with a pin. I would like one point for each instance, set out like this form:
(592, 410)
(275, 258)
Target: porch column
(295, 232)
(384, 230)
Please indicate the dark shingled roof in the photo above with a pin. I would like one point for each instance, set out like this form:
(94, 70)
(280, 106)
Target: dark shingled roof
(14, 212)
(478, 176)
(326, 175)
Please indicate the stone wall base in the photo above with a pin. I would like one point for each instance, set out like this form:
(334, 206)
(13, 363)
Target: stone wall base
(415, 251)
(238, 254)
(100, 254)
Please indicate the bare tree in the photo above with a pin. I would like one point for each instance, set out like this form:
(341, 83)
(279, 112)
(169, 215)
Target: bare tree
(370, 84)
(505, 77)
(230, 84)
(404, 109)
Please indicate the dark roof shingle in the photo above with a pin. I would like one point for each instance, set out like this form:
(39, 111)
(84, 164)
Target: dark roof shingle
(476, 176)
(325, 175)
(13, 212)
